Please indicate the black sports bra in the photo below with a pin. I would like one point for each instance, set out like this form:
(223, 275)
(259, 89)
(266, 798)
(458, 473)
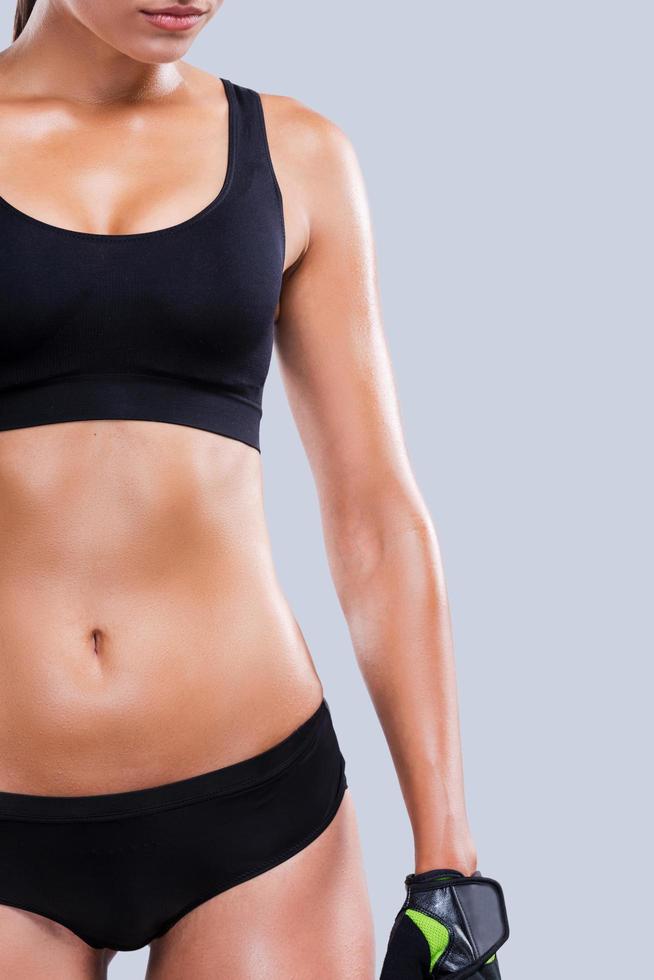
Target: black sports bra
(173, 325)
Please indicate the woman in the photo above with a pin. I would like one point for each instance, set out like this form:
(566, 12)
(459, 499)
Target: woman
(169, 772)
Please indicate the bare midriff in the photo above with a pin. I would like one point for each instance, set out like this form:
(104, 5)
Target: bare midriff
(144, 637)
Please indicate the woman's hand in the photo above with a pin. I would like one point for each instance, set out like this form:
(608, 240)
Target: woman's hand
(449, 926)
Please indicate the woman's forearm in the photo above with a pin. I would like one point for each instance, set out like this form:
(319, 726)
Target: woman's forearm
(390, 583)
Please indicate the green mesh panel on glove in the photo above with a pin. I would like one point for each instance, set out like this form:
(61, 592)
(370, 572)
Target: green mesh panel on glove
(434, 932)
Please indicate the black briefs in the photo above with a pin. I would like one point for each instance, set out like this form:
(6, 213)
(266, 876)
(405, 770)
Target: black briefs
(120, 869)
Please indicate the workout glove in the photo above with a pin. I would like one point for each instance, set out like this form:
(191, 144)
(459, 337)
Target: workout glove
(449, 927)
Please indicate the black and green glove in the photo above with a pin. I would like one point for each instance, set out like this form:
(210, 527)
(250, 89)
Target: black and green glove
(449, 927)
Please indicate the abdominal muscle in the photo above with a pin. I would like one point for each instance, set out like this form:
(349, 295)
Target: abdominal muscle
(144, 637)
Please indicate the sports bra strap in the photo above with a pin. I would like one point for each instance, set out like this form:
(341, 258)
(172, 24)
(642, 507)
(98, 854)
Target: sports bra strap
(252, 158)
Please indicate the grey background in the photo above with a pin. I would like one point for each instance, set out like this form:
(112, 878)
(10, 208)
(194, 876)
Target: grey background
(507, 149)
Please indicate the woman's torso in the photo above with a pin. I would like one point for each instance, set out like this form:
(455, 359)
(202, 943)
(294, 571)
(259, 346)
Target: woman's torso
(144, 636)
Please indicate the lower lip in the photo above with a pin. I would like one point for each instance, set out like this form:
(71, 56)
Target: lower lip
(169, 22)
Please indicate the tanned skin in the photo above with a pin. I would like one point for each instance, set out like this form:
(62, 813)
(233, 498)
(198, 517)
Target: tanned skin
(144, 637)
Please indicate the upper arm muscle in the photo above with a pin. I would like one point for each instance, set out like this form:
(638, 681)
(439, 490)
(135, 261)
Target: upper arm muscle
(331, 345)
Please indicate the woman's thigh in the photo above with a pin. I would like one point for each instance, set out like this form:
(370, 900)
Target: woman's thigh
(308, 917)
(34, 947)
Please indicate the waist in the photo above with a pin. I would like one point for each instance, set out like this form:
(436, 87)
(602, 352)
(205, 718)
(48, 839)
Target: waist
(313, 735)
(159, 685)
(144, 632)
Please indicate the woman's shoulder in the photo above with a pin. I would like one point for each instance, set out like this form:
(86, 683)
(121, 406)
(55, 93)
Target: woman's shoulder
(297, 123)
(309, 129)
(309, 147)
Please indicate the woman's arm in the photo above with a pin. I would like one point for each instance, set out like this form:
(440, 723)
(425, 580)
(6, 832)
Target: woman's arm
(381, 544)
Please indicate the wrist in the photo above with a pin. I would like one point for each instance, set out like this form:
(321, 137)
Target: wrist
(460, 856)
